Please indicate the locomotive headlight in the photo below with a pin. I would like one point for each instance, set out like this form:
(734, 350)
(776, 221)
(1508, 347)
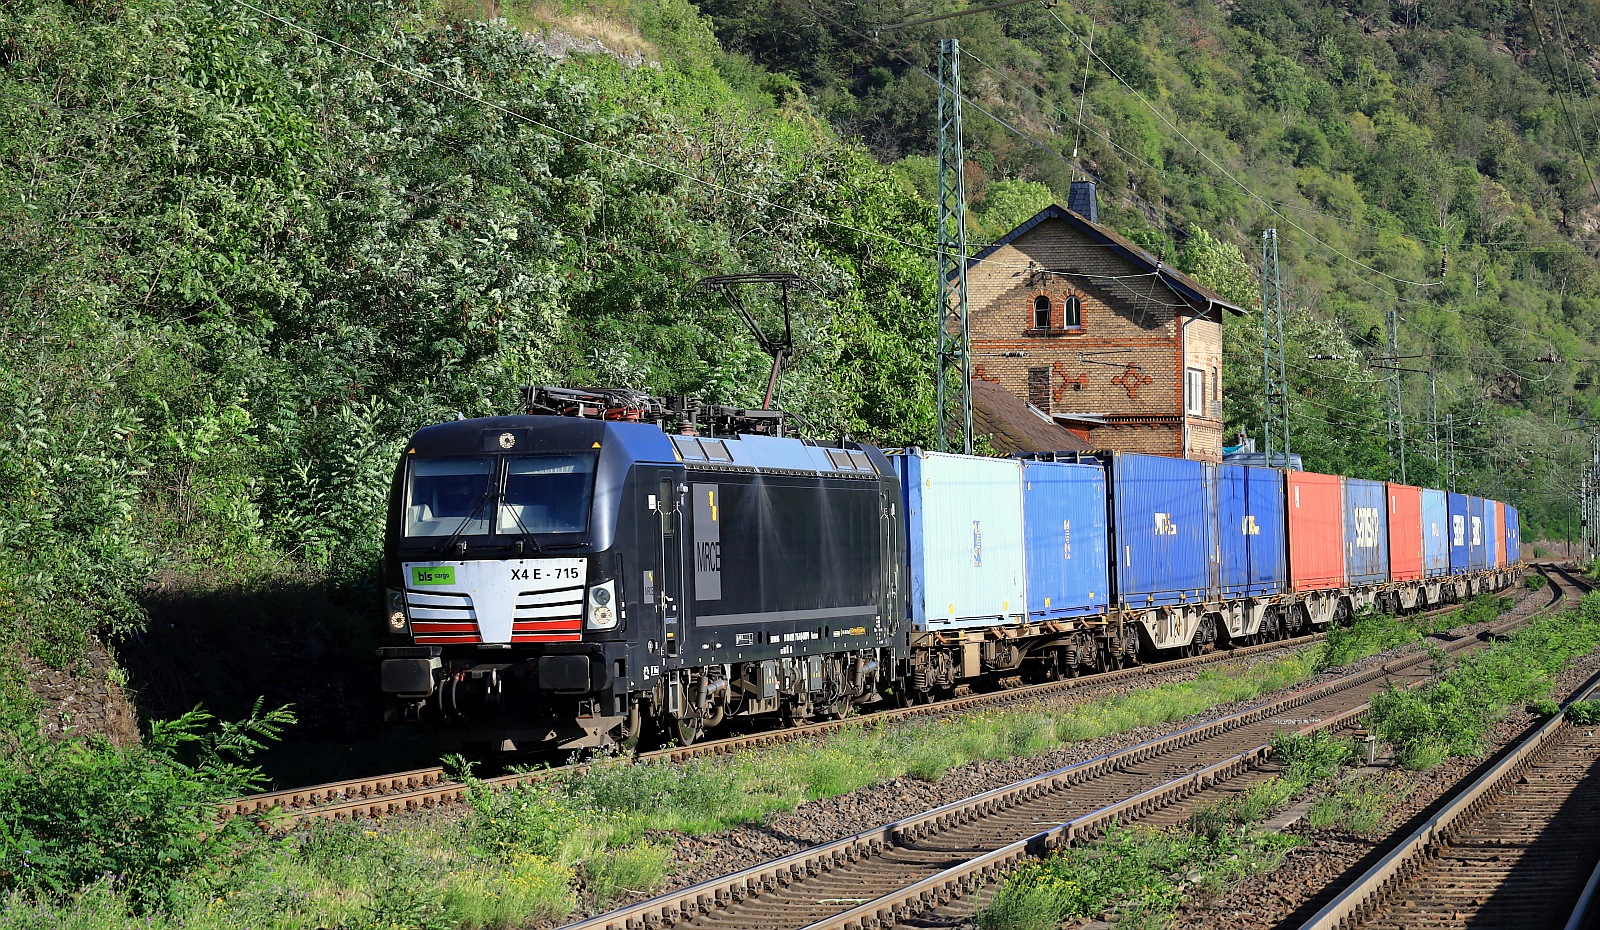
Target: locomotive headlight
(397, 611)
(602, 612)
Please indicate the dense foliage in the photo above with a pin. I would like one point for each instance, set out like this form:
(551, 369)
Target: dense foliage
(239, 264)
(1384, 142)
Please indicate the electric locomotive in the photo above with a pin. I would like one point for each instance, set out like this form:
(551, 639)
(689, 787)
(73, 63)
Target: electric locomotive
(609, 562)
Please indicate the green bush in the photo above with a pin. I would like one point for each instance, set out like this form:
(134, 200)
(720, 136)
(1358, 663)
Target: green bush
(1313, 756)
(1584, 713)
(1535, 582)
(75, 811)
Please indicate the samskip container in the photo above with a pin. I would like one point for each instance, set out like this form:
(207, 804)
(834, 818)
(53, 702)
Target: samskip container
(1316, 531)
(1366, 532)
(1163, 529)
(1460, 535)
(964, 534)
(1405, 533)
(1478, 557)
(1435, 533)
(1252, 556)
(1064, 509)
(1502, 526)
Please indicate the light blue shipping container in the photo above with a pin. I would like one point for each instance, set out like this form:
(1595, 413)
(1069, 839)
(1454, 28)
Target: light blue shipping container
(1250, 531)
(1163, 529)
(1477, 540)
(1491, 535)
(1064, 506)
(964, 529)
(1460, 535)
(1435, 534)
(1366, 531)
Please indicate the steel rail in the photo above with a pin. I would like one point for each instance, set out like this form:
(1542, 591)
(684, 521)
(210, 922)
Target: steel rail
(1370, 894)
(712, 895)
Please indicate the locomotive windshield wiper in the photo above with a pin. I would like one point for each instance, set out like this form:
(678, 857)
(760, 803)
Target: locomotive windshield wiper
(471, 515)
(527, 537)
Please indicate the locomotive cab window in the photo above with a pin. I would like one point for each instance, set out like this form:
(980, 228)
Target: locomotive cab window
(546, 494)
(447, 494)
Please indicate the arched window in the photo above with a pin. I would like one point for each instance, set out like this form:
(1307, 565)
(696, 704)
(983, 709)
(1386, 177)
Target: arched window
(1072, 312)
(1041, 312)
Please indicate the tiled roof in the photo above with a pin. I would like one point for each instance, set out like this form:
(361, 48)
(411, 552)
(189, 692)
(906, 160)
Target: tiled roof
(1012, 426)
(1134, 253)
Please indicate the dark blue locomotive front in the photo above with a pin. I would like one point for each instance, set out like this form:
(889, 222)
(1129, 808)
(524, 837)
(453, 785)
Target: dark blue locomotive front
(570, 581)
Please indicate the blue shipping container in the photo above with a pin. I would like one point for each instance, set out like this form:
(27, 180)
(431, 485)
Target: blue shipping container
(1435, 534)
(1164, 528)
(1491, 535)
(1460, 540)
(1478, 557)
(1366, 532)
(964, 529)
(1513, 535)
(1064, 507)
(1250, 525)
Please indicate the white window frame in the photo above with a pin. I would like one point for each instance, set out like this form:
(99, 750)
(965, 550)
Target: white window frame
(1194, 394)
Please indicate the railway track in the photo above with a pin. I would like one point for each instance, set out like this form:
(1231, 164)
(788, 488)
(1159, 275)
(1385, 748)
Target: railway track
(1513, 849)
(894, 872)
(385, 795)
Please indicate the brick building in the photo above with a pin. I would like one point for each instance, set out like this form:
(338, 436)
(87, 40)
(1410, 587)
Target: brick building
(1083, 324)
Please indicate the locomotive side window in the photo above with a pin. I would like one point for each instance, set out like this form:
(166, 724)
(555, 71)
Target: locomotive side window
(546, 494)
(447, 494)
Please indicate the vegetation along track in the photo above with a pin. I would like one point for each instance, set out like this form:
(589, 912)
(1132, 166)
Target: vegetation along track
(898, 870)
(1514, 849)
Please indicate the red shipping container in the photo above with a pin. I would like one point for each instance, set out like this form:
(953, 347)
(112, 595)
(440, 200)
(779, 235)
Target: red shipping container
(1405, 533)
(1316, 531)
(1500, 533)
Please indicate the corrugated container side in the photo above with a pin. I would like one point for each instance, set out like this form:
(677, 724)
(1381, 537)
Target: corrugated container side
(1514, 534)
(1366, 532)
(964, 529)
(1490, 533)
(1064, 507)
(1164, 529)
(1250, 544)
(1435, 533)
(1502, 527)
(1405, 533)
(1460, 535)
(1315, 506)
(1477, 556)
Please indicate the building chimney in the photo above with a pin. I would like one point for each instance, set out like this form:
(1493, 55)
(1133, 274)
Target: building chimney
(1082, 201)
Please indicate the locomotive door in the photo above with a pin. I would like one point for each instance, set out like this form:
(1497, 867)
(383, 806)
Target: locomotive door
(669, 592)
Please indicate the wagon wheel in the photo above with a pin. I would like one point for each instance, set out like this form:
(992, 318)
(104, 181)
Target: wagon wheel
(687, 729)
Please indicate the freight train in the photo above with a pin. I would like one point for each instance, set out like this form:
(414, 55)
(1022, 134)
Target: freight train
(609, 563)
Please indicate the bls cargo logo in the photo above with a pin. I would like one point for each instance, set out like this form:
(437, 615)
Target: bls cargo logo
(433, 574)
(1250, 527)
(1366, 520)
(1165, 526)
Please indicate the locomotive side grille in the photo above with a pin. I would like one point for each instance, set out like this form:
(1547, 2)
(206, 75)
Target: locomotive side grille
(548, 616)
(442, 619)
